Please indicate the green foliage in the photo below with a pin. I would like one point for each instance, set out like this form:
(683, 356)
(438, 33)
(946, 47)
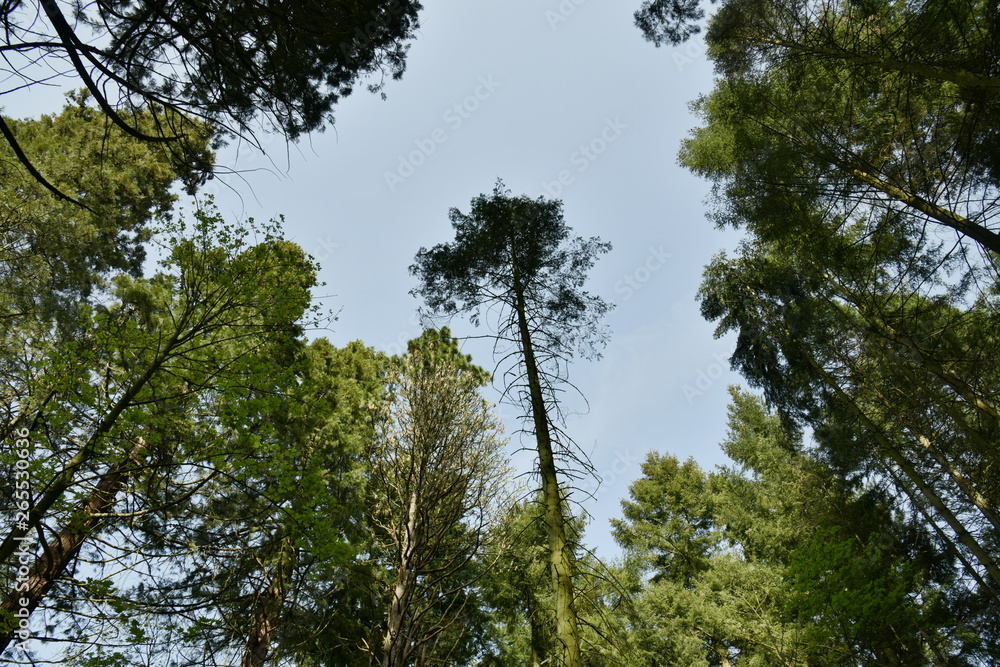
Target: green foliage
(846, 141)
(164, 385)
(518, 599)
(286, 516)
(669, 21)
(230, 65)
(668, 528)
(437, 478)
(55, 255)
(777, 561)
(513, 259)
(502, 237)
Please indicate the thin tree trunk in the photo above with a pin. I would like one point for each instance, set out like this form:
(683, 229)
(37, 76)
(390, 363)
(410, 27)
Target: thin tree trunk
(537, 648)
(962, 482)
(918, 503)
(269, 607)
(879, 327)
(927, 491)
(394, 643)
(986, 237)
(58, 486)
(567, 632)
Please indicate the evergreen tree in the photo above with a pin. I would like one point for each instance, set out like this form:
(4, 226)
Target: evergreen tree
(228, 64)
(513, 256)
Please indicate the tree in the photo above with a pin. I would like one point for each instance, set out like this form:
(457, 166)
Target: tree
(885, 363)
(56, 257)
(222, 63)
(880, 410)
(513, 259)
(778, 560)
(887, 37)
(860, 582)
(437, 478)
(852, 105)
(257, 555)
(669, 21)
(136, 400)
(849, 149)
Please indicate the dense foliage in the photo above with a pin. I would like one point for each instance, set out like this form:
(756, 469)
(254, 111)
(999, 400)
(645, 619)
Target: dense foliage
(233, 66)
(190, 478)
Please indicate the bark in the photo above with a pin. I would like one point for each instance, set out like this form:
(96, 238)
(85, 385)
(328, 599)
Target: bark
(269, 607)
(926, 490)
(567, 633)
(395, 645)
(985, 237)
(58, 486)
(59, 553)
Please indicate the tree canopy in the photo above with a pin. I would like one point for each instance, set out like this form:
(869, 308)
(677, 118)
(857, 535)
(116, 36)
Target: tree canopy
(513, 257)
(193, 477)
(232, 66)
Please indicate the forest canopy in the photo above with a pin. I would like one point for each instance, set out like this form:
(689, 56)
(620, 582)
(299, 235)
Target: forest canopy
(194, 475)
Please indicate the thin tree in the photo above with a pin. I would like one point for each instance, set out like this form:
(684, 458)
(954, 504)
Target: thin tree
(437, 474)
(169, 351)
(513, 261)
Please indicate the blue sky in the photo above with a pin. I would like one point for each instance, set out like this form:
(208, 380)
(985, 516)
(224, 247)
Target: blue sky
(561, 99)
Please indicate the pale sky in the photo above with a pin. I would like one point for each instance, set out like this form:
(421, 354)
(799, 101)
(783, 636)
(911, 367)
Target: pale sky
(562, 99)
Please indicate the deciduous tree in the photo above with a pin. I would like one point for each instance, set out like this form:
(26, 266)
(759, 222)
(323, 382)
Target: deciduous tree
(137, 399)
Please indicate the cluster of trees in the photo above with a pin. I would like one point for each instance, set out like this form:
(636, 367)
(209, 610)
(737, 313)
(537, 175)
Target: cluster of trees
(191, 480)
(855, 145)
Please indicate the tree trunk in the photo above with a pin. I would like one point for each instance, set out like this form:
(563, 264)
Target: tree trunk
(394, 644)
(60, 552)
(537, 644)
(269, 607)
(567, 632)
(926, 490)
(58, 486)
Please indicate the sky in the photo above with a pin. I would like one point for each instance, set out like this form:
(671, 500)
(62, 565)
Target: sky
(559, 99)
